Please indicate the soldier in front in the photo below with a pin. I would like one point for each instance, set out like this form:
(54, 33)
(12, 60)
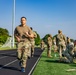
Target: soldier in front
(23, 33)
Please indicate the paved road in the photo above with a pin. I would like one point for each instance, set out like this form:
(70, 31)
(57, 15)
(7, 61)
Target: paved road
(9, 63)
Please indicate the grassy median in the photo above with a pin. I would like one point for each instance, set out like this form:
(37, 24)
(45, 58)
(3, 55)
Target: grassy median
(51, 66)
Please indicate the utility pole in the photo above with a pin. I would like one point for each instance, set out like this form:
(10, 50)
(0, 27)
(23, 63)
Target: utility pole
(13, 23)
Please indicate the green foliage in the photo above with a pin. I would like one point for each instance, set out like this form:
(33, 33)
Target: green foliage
(37, 40)
(3, 35)
(72, 40)
(45, 38)
(3, 32)
(3, 39)
(55, 36)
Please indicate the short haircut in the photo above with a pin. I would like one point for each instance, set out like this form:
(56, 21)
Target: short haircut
(59, 31)
(31, 28)
(24, 17)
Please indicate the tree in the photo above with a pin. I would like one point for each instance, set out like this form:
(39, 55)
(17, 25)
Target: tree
(45, 38)
(4, 34)
(37, 40)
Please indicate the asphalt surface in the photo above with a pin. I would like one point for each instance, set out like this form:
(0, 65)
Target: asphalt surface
(9, 63)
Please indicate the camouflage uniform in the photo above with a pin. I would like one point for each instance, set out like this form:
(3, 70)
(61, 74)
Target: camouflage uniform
(23, 45)
(22, 52)
(61, 42)
(49, 45)
(42, 44)
(75, 50)
(54, 45)
(32, 40)
(68, 53)
(74, 60)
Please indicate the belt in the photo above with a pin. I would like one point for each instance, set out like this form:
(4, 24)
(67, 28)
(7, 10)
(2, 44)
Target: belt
(23, 40)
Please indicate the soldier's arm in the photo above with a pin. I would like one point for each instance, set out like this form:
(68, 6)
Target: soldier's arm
(48, 38)
(58, 37)
(16, 35)
(35, 35)
(65, 39)
(29, 35)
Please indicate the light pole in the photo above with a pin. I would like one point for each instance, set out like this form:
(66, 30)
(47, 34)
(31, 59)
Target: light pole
(13, 23)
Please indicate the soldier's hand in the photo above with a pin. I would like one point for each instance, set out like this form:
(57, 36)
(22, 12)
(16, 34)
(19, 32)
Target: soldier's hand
(26, 33)
(32, 36)
(18, 39)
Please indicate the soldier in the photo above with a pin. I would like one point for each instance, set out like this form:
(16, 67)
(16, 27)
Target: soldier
(55, 46)
(68, 53)
(49, 45)
(74, 60)
(75, 48)
(61, 42)
(42, 44)
(69, 44)
(23, 34)
(33, 42)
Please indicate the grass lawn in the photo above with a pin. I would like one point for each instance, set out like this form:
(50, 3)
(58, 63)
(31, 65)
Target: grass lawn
(6, 48)
(51, 66)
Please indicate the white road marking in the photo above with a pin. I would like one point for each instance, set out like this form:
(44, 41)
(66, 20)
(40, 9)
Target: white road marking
(8, 64)
(34, 65)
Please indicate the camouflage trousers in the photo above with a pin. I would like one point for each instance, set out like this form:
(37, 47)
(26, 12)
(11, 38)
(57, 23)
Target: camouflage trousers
(61, 48)
(22, 52)
(42, 46)
(68, 56)
(55, 48)
(32, 47)
(49, 51)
